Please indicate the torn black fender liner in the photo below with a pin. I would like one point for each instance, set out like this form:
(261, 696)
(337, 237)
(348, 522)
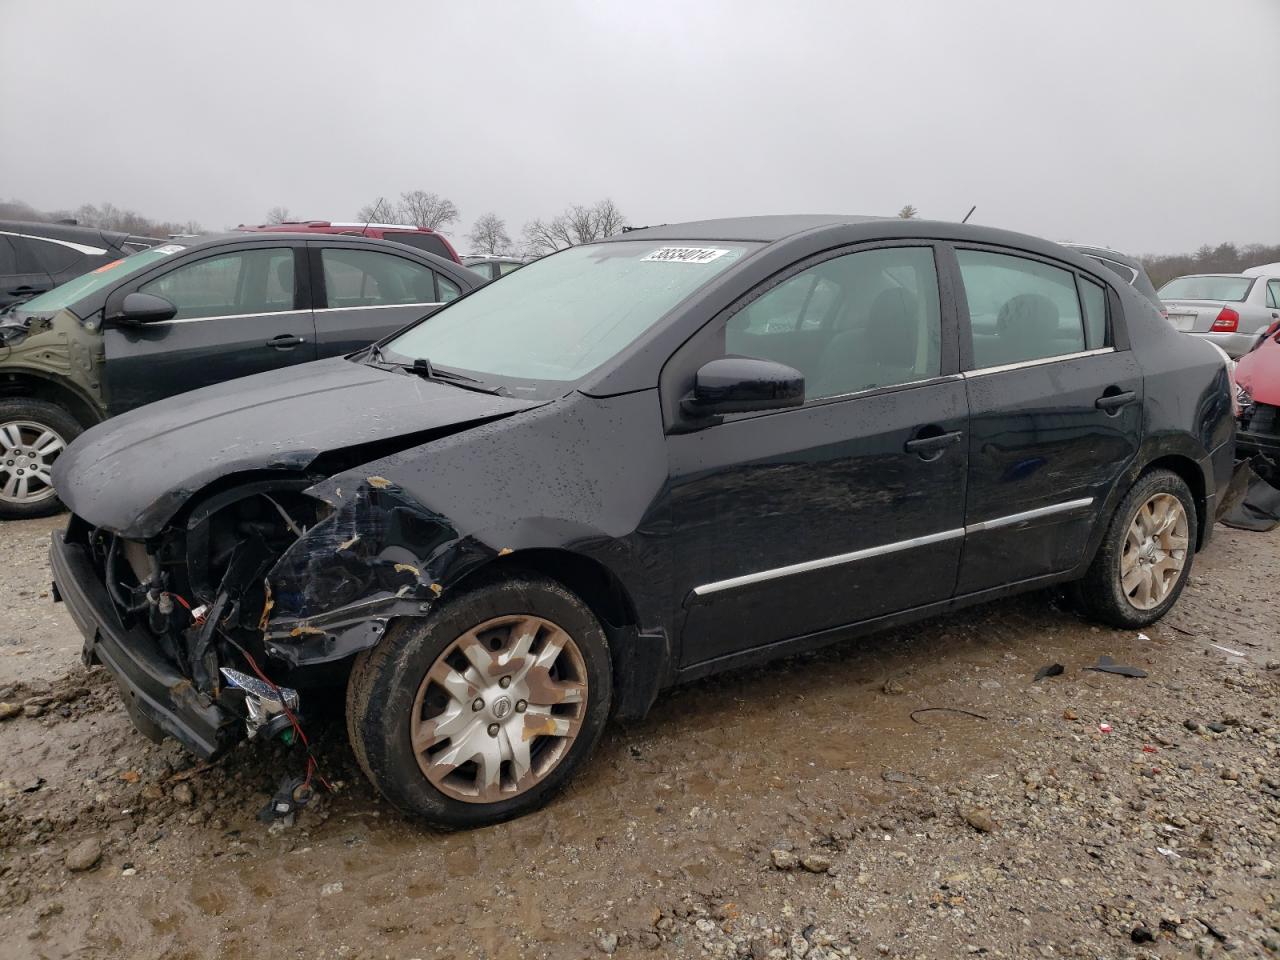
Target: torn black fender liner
(160, 700)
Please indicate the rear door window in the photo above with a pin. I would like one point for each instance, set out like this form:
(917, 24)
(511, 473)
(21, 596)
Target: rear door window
(1019, 309)
(8, 258)
(367, 278)
(53, 257)
(244, 282)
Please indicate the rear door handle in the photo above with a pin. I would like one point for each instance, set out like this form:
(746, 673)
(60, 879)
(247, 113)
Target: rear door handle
(1114, 401)
(933, 442)
(285, 341)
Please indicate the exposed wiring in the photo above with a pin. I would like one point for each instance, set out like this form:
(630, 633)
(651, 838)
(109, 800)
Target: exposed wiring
(313, 768)
(967, 713)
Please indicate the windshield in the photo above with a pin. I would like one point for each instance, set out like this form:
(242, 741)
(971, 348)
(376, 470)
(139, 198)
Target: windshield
(1207, 288)
(61, 297)
(559, 318)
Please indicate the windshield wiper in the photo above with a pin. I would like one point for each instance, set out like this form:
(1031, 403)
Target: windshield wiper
(423, 368)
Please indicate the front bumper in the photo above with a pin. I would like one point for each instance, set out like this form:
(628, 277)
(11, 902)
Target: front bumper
(160, 700)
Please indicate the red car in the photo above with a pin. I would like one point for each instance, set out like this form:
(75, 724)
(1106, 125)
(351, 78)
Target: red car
(1258, 391)
(419, 237)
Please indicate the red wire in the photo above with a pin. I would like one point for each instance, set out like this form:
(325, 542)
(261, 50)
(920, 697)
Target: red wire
(313, 768)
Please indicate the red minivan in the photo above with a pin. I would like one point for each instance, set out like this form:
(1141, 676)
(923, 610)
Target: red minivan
(418, 237)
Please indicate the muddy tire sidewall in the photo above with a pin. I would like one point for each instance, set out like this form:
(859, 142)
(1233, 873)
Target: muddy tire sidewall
(1101, 590)
(384, 682)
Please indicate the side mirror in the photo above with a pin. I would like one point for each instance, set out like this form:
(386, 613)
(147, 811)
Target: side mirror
(743, 385)
(144, 308)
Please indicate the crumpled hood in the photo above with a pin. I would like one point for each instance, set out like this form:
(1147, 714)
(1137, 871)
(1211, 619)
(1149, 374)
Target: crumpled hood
(131, 474)
(1259, 372)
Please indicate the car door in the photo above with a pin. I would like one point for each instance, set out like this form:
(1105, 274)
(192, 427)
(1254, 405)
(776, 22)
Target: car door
(1055, 411)
(849, 507)
(21, 275)
(367, 294)
(239, 311)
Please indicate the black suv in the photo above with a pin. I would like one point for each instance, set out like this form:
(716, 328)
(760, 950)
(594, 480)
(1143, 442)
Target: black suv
(35, 257)
(188, 313)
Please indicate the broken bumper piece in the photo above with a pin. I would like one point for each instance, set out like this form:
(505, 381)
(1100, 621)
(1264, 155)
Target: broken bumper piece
(161, 701)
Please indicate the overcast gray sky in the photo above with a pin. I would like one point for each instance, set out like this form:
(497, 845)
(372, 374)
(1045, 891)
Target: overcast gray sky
(1150, 125)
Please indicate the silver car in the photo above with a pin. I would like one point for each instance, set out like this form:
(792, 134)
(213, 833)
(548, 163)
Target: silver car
(1229, 309)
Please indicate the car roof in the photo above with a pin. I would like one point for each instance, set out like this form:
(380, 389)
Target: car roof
(62, 231)
(1107, 252)
(764, 229)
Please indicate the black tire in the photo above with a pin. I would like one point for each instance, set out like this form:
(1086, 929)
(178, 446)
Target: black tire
(384, 683)
(1100, 591)
(49, 416)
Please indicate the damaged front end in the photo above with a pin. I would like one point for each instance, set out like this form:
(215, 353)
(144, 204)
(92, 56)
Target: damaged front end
(259, 591)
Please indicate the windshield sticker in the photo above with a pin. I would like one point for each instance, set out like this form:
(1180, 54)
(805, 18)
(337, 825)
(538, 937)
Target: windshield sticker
(168, 248)
(686, 254)
(108, 266)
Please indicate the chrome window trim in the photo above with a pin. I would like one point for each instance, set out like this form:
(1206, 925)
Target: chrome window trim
(78, 247)
(1039, 362)
(229, 316)
(939, 378)
(1012, 518)
(806, 566)
(382, 306)
(838, 559)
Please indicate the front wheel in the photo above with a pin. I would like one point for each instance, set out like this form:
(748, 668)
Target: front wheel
(1146, 555)
(33, 434)
(482, 710)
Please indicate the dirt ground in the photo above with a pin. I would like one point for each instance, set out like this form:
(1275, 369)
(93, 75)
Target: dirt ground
(798, 810)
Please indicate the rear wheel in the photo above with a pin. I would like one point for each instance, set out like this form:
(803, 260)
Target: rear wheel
(33, 434)
(1146, 554)
(482, 710)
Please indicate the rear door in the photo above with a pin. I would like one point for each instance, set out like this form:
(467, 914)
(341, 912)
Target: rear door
(240, 311)
(1055, 411)
(849, 507)
(366, 294)
(21, 275)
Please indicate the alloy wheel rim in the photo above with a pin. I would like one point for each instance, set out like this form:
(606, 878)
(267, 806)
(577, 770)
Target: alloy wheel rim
(1155, 551)
(27, 452)
(499, 709)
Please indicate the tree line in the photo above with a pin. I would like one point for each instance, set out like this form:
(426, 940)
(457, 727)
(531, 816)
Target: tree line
(106, 216)
(577, 223)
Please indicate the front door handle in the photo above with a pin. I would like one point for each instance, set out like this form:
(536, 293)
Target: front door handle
(1110, 402)
(286, 341)
(931, 444)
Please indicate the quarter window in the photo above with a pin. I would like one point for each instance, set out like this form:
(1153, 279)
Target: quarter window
(364, 278)
(448, 289)
(1273, 294)
(247, 281)
(1019, 309)
(1095, 313)
(856, 322)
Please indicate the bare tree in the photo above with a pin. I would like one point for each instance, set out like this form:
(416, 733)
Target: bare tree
(429, 210)
(908, 212)
(381, 210)
(489, 234)
(609, 219)
(279, 215)
(577, 224)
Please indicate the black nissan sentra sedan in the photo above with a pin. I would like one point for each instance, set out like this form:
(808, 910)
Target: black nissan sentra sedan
(629, 464)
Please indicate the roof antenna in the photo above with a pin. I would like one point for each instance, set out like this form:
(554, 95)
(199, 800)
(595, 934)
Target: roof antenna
(969, 214)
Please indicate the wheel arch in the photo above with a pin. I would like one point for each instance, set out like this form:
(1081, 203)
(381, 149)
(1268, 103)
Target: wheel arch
(1191, 474)
(641, 659)
(26, 385)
